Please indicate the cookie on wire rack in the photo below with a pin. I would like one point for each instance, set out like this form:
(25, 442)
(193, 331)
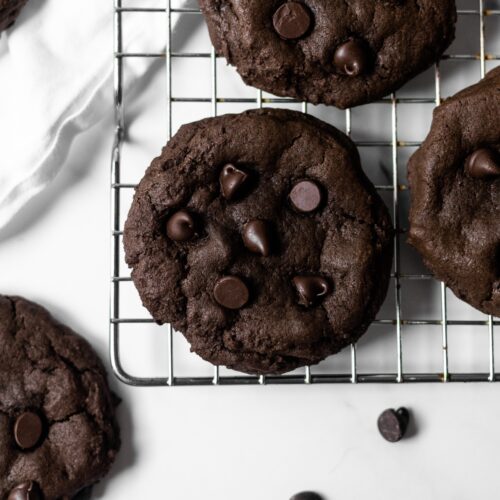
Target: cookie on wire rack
(58, 432)
(455, 194)
(259, 237)
(343, 53)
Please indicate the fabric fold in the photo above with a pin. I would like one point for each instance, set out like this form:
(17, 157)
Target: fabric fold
(56, 79)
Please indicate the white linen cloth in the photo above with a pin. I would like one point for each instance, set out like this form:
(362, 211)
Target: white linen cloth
(56, 73)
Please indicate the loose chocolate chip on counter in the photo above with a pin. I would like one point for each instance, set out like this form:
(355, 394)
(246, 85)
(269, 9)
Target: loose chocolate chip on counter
(311, 289)
(392, 424)
(292, 20)
(258, 237)
(306, 196)
(483, 164)
(353, 58)
(231, 292)
(181, 226)
(307, 495)
(28, 430)
(231, 180)
(26, 491)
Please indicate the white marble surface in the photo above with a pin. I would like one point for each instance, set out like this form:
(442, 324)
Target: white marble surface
(258, 442)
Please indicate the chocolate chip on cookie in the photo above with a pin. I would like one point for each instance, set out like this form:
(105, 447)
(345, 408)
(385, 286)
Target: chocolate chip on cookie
(353, 58)
(231, 292)
(26, 491)
(306, 196)
(28, 430)
(292, 20)
(232, 181)
(311, 289)
(258, 237)
(181, 226)
(483, 164)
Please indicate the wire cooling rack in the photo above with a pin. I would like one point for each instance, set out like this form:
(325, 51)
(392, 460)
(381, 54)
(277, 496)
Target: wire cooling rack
(393, 325)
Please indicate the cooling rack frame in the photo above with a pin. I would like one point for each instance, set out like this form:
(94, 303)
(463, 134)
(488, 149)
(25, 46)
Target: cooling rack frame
(396, 187)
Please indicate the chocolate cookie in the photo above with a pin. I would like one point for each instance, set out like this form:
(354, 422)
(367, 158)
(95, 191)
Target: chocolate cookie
(259, 237)
(58, 432)
(455, 191)
(330, 51)
(9, 10)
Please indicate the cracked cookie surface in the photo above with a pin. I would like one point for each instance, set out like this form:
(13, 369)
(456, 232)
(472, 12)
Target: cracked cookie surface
(58, 432)
(259, 237)
(455, 193)
(337, 52)
(9, 10)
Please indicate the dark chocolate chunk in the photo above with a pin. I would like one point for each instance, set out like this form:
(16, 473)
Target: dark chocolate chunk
(306, 495)
(292, 20)
(26, 491)
(392, 424)
(258, 237)
(232, 179)
(311, 289)
(231, 292)
(483, 164)
(353, 58)
(306, 196)
(181, 226)
(28, 430)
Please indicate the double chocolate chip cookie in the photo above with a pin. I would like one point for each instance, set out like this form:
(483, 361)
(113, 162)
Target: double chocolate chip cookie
(58, 432)
(336, 52)
(259, 237)
(9, 10)
(455, 186)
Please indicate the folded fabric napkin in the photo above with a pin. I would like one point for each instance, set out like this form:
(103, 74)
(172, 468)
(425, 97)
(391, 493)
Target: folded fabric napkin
(56, 73)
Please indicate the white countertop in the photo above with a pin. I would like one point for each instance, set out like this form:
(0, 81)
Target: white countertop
(239, 443)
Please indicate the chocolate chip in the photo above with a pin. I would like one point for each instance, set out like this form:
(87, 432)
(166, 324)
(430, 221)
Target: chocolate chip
(311, 289)
(26, 491)
(232, 180)
(28, 430)
(292, 20)
(181, 226)
(353, 58)
(306, 196)
(231, 292)
(483, 164)
(258, 237)
(392, 424)
(307, 495)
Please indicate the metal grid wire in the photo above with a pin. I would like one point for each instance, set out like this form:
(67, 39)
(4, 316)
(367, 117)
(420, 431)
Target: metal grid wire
(119, 317)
